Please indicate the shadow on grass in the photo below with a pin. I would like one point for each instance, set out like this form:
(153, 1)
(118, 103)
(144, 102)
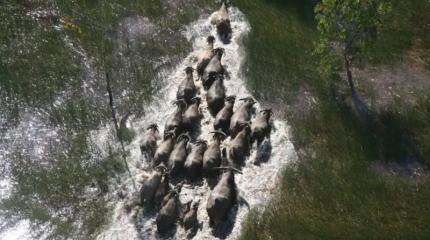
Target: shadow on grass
(388, 132)
(330, 193)
(304, 9)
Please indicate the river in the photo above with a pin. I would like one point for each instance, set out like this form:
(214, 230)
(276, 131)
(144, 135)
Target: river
(36, 136)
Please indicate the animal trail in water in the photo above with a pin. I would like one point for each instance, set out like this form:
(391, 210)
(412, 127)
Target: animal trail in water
(193, 189)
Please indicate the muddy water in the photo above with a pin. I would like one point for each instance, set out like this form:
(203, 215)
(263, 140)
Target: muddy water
(256, 184)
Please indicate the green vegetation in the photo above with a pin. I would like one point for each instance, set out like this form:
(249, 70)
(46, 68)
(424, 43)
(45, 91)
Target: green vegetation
(347, 28)
(58, 196)
(342, 187)
(279, 42)
(408, 26)
(333, 191)
(54, 58)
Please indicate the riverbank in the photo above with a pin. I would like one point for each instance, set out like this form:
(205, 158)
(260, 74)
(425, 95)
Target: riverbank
(357, 177)
(351, 180)
(56, 182)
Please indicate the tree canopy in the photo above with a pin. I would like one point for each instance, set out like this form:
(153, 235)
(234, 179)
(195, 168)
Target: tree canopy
(347, 28)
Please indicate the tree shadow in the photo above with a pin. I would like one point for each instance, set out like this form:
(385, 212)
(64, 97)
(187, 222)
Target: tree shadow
(361, 110)
(387, 133)
(303, 9)
(396, 141)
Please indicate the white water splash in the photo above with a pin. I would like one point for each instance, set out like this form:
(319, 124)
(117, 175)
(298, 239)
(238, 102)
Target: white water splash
(34, 138)
(31, 138)
(19, 232)
(256, 184)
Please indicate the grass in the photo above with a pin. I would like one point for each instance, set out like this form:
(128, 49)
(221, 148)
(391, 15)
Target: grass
(279, 42)
(332, 192)
(49, 58)
(407, 26)
(54, 197)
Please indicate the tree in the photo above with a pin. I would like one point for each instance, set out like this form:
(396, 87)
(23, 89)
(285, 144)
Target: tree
(347, 28)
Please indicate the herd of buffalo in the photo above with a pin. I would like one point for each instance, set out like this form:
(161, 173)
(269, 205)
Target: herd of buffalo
(183, 156)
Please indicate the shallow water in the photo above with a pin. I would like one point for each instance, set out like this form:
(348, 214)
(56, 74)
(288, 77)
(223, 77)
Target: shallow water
(256, 184)
(47, 145)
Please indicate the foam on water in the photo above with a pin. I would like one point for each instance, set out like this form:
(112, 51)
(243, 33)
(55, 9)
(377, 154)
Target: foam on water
(31, 138)
(19, 232)
(256, 184)
(34, 137)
